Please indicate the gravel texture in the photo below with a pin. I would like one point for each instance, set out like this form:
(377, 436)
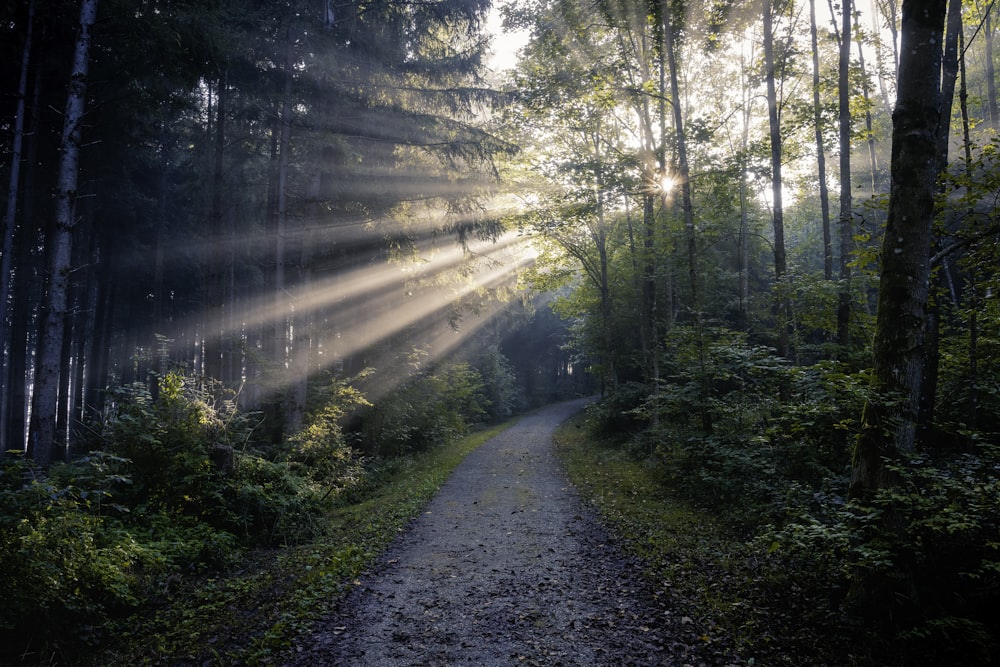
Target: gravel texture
(506, 566)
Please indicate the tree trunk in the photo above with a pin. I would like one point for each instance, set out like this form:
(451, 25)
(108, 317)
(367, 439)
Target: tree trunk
(687, 208)
(991, 77)
(889, 419)
(932, 357)
(880, 64)
(869, 133)
(214, 312)
(10, 225)
(824, 193)
(281, 316)
(781, 305)
(61, 247)
(846, 203)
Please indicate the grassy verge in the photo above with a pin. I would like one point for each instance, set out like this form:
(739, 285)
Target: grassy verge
(742, 601)
(252, 616)
(687, 551)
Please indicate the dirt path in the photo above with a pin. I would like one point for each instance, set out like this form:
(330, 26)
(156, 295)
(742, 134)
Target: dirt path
(505, 567)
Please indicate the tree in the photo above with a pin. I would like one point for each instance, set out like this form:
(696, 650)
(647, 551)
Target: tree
(10, 223)
(824, 194)
(782, 309)
(43, 430)
(846, 202)
(890, 416)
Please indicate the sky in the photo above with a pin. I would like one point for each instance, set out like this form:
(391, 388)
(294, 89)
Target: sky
(505, 45)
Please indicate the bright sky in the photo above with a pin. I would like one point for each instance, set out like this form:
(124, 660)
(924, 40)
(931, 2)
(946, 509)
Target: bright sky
(505, 45)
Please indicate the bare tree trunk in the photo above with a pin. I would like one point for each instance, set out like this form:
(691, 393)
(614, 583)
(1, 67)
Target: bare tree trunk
(687, 208)
(846, 203)
(949, 77)
(781, 305)
(46, 392)
(890, 416)
(991, 77)
(824, 192)
(869, 133)
(890, 10)
(880, 64)
(10, 224)
(214, 312)
(282, 317)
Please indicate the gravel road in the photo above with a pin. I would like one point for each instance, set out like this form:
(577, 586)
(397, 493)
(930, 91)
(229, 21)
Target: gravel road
(505, 567)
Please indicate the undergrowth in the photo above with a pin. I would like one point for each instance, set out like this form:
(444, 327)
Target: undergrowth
(701, 567)
(253, 615)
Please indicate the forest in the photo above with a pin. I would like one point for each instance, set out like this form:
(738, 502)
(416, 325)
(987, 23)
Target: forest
(261, 257)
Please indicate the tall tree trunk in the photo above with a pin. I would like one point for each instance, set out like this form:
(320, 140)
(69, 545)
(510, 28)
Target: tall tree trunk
(29, 271)
(687, 207)
(949, 78)
(824, 191)
(45, 398)
(743, 244)
(98, 366)
(889, 419)
(880, 64)
(282, 318)
(10, 225)
(890, 10)
(866, 96)
(781, 305)
(610, 375)
(991, 77)
(846, 203)
(214, 312)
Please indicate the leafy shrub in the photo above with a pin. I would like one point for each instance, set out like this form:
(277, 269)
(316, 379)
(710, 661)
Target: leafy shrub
(430, 409)
(188, 460)
(322, 448)
(63, 567)
(501, 394)
(923, 557)
(622, 411)
(174, 488)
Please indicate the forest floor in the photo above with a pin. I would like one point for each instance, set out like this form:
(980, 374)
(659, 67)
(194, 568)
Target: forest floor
(506, 566)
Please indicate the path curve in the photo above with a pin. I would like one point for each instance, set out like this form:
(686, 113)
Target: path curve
(505, 567)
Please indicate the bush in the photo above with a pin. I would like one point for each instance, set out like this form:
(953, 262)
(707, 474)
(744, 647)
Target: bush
(622, 412)
(430, 409)
(63, 566)
(923, 558)
(502, 396)
(174, 487)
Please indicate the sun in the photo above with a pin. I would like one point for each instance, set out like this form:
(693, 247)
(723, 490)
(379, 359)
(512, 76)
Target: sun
(666, 183)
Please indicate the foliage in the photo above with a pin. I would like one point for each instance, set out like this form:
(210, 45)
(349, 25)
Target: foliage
(923, 556)
(501, 394)
(64, 566)
(278, 595)
(189, 457)
(173, 488)
(430, 409)
(621, 411)
(322, 450)
(699, 568)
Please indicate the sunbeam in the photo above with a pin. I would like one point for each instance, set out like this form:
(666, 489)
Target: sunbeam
(439, 294)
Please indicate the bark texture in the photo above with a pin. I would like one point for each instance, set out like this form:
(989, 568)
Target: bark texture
(43, 431)
(890, 417)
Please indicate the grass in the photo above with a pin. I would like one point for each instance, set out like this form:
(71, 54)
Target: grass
(252, 616)
(687, 551)
(742, 601)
